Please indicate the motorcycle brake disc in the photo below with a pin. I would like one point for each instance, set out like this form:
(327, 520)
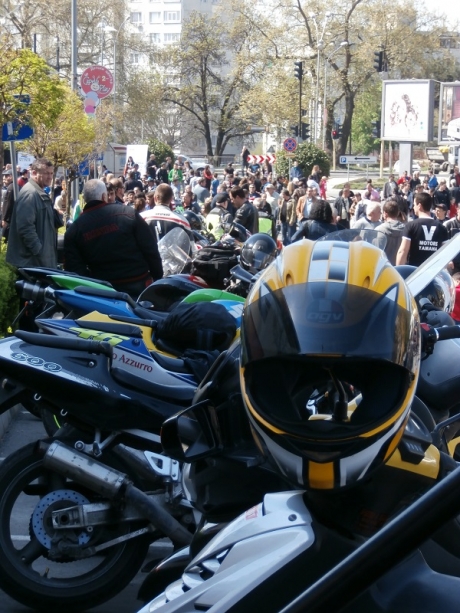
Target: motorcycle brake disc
(41, 517)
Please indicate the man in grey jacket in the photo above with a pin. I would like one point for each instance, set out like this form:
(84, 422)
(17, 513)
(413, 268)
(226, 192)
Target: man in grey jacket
(392, 228)
(32, 238)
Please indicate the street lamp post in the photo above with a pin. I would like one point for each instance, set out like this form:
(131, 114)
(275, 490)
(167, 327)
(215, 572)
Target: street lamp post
(319, 47)
(334, 51)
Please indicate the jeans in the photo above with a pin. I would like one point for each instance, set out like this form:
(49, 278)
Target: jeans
(285, 233)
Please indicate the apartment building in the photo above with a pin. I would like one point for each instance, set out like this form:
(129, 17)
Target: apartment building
(161, 21)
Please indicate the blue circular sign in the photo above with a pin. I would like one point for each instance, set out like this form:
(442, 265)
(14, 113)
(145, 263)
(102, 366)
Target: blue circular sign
(290, 144)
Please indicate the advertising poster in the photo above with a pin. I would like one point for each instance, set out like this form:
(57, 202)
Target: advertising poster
(407, 110)
(139, 155)
(449, 113)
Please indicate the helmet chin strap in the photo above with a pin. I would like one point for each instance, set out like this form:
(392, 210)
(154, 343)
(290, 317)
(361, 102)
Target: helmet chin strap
(340, 411)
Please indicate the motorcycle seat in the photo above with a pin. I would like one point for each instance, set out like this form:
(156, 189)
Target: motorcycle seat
(181, 393)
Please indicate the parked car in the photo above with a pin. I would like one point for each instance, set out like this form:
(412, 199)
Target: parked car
(415, 167)
(197, 164)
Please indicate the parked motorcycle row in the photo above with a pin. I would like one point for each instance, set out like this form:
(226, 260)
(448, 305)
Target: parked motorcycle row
(292, 430)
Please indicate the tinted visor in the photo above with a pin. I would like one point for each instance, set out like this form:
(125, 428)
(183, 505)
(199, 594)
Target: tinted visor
(257, 259)
(329, 319)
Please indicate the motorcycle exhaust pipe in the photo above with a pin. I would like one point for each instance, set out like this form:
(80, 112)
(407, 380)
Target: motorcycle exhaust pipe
(110, 483)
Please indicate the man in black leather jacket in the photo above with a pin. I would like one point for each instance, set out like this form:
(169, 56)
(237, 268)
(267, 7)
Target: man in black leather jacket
(113, 243)
(246, 213)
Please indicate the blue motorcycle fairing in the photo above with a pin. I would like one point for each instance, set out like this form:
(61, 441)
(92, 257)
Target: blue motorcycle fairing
(129, 353)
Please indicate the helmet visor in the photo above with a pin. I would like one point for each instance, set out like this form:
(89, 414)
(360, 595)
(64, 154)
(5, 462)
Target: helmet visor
(257, 258)
(330, 319)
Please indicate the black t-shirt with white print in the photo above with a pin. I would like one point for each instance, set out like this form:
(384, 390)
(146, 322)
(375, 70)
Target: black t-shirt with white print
(426, 236)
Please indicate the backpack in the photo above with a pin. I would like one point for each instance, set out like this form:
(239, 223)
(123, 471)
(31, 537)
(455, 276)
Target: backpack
(213, 264)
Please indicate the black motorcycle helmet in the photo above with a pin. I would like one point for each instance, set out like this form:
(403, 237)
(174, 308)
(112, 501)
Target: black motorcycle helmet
(258, 252)
(164, 294)
(193, 219)
(238, 232)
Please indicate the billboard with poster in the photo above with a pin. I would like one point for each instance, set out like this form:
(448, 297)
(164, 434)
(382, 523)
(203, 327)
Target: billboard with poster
(449, 113)
(407, 110)
(139, 155)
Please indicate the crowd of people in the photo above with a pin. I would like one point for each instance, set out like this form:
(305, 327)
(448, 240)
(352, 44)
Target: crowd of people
(415, 214)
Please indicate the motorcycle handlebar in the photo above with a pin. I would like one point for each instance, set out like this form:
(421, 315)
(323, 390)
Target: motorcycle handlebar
(56, 342)
(447, 332)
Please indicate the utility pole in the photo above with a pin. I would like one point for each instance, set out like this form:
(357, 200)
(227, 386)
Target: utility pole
(298, 73)
(74, 81)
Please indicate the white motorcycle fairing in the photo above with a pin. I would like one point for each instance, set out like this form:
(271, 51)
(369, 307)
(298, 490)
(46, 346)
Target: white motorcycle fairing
(247, 551)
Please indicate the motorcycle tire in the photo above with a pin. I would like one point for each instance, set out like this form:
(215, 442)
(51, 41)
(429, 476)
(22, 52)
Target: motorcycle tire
(28, 494)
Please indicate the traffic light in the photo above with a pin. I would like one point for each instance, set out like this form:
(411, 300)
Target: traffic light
(378, 61)
(339, 131)
(376, 129)
(305, 131)
(335, 134)
(295, 130)
(298, 70)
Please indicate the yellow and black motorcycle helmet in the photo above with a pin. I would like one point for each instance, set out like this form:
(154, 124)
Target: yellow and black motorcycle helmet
(326, 319)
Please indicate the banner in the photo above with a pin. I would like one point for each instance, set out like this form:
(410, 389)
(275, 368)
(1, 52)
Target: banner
(139, 155)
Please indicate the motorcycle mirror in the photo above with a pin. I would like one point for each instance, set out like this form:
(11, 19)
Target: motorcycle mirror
(192, 434)
(425, 273)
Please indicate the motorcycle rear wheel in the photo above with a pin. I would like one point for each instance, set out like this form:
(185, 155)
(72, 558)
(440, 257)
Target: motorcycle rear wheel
(28, 492)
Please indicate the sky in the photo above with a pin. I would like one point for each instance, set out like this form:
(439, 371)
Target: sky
(453, 13)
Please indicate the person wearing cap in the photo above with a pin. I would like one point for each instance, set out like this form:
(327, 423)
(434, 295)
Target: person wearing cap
(23, 177)
(150, 184)
(32, 239)
(218, 216)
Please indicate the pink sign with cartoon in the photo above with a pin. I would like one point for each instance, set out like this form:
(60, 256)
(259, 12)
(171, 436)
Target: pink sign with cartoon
(96, 83)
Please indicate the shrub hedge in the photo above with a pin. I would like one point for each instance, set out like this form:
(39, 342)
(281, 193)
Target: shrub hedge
(9, 302)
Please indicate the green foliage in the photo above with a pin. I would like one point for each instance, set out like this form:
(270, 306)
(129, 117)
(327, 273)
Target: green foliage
(8, 298)
(367, 110)
(161, 150)
(307, 154)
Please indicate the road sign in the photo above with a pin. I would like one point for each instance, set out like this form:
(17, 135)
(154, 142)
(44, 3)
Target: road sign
(357, 159)
(14, 130)
(83, 168)
(259, 159)
(290, 144)
(97, 79)
(290, 155)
